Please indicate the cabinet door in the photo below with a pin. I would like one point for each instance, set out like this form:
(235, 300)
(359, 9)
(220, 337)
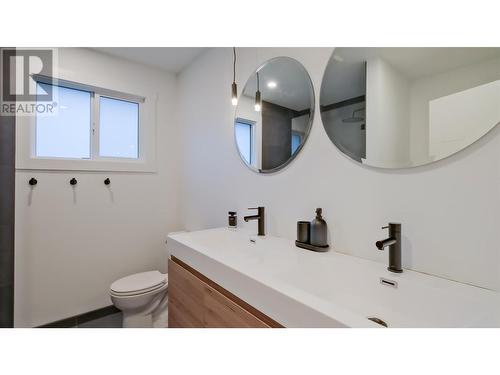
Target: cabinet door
(221, 312)
(194, 301)
(185, 298)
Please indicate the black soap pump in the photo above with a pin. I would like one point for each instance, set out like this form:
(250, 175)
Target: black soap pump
(319, 230)
(232, 220)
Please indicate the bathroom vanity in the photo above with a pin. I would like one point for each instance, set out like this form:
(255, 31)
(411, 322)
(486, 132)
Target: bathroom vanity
(198, 302)
(231, 278)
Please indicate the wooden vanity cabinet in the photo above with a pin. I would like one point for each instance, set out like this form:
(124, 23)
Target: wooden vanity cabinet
(194, 301)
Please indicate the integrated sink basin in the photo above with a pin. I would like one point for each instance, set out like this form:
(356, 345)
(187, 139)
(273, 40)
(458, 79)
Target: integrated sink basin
(299, 288)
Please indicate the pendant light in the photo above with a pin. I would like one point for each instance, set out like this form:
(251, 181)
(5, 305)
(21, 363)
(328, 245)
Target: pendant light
(234, 87)
(258, 101)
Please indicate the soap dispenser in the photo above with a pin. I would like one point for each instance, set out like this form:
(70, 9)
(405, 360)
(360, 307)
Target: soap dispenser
(319, 230)
(232, 220)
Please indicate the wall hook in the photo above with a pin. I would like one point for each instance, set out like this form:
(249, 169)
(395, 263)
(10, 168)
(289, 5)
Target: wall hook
(33, 181)
(107, 181)
(73, 181)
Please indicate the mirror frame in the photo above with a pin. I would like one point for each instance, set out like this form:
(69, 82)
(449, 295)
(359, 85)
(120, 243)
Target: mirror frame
(309, 126)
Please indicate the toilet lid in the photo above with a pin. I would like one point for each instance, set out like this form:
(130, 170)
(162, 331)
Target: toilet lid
(139, 282)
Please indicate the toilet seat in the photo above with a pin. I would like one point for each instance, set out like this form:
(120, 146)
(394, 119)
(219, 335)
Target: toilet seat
(138, 292)
(139, 283)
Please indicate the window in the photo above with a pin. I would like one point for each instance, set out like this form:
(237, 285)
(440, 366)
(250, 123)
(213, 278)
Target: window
(244, 139)
(119, 128)
(296, 141)
(66, 135)
(90, 123)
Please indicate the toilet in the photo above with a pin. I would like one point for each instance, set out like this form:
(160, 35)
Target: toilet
(142, 298)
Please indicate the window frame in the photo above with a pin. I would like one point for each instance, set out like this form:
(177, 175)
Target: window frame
(26, 157)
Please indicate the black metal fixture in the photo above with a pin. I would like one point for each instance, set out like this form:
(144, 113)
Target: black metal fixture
(232, 219)
(394, 244)
(33, 181)
(107, 181)
(258, 100)
(73, 181)
(234, 87)
(259, 217)
(355, 118)
(378, 321)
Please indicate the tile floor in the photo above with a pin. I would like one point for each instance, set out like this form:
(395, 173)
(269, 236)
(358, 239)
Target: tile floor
(108, 321)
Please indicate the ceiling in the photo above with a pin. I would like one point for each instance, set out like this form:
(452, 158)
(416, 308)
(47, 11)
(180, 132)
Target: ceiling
(422, 62)
(170, 59)
(293, 86)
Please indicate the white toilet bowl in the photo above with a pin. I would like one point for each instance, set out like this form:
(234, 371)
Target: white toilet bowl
(142, 298)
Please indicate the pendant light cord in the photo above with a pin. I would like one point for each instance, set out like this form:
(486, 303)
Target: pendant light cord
(258, 88)
(234, 64)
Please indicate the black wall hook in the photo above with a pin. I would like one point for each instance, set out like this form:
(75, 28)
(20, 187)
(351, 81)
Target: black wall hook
(33, 181)
(73, 181)
(107, 181)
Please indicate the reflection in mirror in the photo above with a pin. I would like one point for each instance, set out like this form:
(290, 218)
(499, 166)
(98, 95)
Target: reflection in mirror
(404, 107)
(274, 115)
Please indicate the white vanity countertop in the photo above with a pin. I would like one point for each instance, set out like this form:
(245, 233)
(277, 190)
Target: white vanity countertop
(301, 288)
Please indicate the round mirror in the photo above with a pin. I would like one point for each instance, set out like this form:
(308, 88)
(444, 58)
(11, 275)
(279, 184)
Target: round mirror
(274, 115)
(404, 107)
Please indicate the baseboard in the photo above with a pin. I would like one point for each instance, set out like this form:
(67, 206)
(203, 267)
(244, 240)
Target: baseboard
(74, 321)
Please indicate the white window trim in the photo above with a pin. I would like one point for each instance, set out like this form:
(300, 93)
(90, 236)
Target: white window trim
(26, 158)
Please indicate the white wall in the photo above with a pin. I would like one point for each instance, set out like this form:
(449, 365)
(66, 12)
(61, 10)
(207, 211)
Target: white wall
(70, 246)
(427, 89)
(459, 119)
(387, 114)
(450, 210)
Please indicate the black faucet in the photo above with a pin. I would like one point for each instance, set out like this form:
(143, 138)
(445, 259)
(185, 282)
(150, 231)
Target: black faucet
(394, 243)
(259, 217)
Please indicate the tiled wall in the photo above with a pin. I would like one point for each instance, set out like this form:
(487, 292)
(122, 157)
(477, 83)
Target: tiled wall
(7, 175)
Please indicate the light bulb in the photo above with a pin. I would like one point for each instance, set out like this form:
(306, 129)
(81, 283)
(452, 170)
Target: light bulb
(234, 94)
(258, 102)
(272, 84)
